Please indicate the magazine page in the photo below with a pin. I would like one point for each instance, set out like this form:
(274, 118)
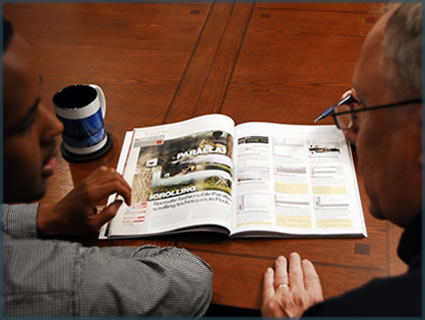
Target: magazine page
(181, 176)
(297, 180)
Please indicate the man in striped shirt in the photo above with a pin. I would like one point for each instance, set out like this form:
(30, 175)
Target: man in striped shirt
(43, 277)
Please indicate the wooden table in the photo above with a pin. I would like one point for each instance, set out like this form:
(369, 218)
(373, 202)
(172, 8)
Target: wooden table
(161, 63)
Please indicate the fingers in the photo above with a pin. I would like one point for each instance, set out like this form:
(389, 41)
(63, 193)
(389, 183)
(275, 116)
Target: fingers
(104, 182)
(107, 214)
(268, 284)
(281, 267)
(304, 288)
(302, 274)
(102, 191)
(104, 174)
(296, 279)
(312, 280)
(123, 188)
(346, 93)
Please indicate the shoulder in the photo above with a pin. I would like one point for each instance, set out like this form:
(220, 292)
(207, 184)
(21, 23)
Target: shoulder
(393, 296)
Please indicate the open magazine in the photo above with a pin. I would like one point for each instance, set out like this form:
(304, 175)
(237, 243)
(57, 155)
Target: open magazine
(250, 180)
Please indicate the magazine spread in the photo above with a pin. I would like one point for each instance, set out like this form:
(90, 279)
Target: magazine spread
(250, 180)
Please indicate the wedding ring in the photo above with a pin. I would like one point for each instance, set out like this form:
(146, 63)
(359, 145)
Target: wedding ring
(283, 285)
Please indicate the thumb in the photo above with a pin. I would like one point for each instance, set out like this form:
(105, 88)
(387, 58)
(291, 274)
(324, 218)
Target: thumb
(108, 213)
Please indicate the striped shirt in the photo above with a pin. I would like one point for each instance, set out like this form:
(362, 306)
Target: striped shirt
(52, 278)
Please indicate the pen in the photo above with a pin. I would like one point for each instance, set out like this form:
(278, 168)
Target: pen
(324, 114)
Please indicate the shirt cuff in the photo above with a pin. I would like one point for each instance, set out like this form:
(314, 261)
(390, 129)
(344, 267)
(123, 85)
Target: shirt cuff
(20, 220)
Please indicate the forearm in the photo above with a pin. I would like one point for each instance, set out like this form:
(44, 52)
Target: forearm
(145, 281)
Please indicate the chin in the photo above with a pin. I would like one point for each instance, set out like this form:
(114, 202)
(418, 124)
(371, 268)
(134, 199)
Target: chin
(39, 193)
(33, 197)
(24, 195)
(38, 196)
(376, 211)
(377, 215)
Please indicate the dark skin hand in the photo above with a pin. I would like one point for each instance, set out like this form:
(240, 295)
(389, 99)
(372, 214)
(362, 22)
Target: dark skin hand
(76, 214)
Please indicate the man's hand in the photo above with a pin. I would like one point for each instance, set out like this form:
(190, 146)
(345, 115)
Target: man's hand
(76, 214)
(351, 134)
(290, 295)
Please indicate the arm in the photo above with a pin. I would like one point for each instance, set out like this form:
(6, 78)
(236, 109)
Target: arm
(156, 282)
(57, 278)
(77, 213)
(289, 295)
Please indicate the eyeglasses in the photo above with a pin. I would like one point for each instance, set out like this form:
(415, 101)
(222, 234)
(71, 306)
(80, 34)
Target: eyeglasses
(344, 114)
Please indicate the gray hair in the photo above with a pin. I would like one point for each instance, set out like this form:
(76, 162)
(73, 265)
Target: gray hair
(403, 44)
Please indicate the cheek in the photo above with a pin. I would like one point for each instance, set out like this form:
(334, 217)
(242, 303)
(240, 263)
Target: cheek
(366, 146)
(372, 156)
(22, 160)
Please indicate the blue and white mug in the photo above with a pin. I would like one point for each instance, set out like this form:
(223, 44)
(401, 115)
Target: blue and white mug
(81, 108)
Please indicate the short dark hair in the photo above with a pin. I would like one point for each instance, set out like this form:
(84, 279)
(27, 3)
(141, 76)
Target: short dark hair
(7, 34)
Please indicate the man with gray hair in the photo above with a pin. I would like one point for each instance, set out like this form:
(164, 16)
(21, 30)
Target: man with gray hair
(383, 118)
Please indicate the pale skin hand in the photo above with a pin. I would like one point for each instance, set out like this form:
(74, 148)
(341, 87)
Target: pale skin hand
(303, 289)
(76, 214)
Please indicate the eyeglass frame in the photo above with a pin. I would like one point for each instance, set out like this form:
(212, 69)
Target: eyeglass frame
(350, 99)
